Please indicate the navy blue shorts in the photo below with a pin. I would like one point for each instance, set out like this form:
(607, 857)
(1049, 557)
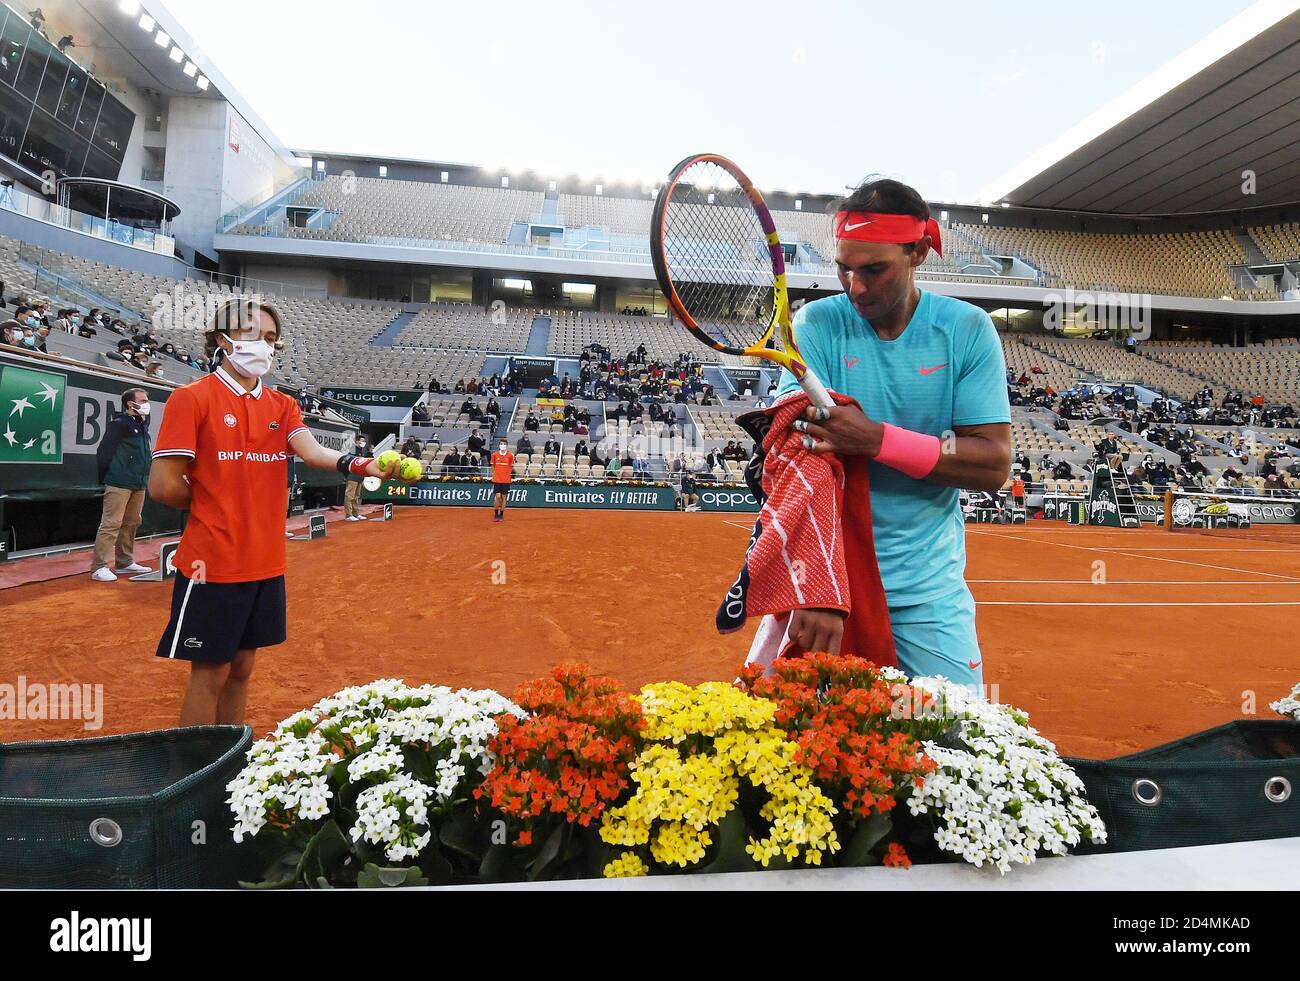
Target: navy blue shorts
(501, 489)
(212, 622)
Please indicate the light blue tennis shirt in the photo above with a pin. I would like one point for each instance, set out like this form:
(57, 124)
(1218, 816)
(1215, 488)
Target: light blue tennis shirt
(946, 370)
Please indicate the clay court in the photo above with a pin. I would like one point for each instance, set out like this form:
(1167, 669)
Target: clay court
(1182, 626)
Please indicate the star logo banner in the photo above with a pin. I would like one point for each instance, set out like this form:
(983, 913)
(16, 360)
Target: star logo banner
(31, 415)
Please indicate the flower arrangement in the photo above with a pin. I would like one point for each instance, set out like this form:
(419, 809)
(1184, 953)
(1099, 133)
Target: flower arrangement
(830, 760)
(1001, 794)
(369, 779)
(716, 778)
(1289, 706)
(842, 713)
(562, 765)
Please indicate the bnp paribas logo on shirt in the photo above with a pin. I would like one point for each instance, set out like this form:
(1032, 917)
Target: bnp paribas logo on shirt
(31, 415)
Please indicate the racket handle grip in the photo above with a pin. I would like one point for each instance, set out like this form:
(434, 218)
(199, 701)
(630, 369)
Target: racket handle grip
(817, 391)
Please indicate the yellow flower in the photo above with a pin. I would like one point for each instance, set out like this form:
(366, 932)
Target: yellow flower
(701, 743)
(627, 866)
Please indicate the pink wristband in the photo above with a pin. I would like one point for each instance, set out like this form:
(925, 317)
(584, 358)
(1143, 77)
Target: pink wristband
(914, 454)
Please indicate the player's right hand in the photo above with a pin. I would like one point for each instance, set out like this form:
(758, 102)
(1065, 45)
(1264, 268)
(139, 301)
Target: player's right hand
(818, 631)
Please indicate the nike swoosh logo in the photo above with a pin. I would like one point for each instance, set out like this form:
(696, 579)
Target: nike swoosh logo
(976, 665)
(852, 364)
(927, 372)
(861, 224)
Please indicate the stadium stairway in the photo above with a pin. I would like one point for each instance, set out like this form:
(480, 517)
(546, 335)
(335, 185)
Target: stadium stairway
(389, 334)
(721, 383)
(540, 337)
(1254, 254)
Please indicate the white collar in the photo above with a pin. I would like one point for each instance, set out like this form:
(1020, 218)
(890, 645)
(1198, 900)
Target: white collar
(235, 387)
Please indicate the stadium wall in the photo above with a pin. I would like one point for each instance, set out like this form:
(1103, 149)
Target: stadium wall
(56, 238)
(196, 130)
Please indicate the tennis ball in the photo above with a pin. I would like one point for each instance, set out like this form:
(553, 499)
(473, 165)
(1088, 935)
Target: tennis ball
(411, 469)
(388, 460)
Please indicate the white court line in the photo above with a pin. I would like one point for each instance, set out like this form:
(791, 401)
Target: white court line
(1148, 558)
(733, 524)
(1138, 604)
(1124, 582)
(1246, 551)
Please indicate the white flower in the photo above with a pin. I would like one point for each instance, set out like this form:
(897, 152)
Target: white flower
(393, 815)
(368, 729)
(1289, 705)
(1007, 796)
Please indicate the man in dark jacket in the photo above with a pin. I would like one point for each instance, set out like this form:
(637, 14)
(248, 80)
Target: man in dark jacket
(124, 457)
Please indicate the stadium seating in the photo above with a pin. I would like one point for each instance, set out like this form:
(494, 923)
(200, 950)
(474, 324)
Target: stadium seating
(623, 216)
(1279, 243)
(386, 211)
(1273, 373)
(1106, 361)
(460, 325)
(1183, 264)
(1043, 371)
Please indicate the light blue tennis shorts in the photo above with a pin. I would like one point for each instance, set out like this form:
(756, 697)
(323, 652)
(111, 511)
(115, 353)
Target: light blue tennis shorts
(938, 639)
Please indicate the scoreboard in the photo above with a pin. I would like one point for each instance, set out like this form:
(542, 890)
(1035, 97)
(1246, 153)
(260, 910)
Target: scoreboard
(53, 115)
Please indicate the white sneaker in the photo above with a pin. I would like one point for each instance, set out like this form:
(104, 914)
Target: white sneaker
(103, 575)
(352, 518)
(362, 517)
(135, 569)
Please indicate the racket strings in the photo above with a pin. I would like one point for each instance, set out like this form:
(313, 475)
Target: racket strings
(717, 255)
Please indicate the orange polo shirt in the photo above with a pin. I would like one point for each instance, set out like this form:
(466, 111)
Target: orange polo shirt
(239, 444)
(503, 466)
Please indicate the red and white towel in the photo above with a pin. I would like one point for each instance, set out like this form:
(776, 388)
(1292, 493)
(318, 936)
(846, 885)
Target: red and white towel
(812, 547)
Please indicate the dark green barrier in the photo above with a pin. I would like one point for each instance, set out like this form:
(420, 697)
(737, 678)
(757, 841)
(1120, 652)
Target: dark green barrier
(464, 494)
(124, 812)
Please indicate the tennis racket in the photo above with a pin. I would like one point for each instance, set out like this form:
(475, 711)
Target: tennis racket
(717, 256)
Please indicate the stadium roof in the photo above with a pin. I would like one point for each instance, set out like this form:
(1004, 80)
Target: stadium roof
(1181, 140)
(113, 43)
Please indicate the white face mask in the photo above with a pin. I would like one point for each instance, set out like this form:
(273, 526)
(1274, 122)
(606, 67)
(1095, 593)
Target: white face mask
(251, 359)
(143, 411)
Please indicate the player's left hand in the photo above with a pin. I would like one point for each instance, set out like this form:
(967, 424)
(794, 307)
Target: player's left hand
(844, 431)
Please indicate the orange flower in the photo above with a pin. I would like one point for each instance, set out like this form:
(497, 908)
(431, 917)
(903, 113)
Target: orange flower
(896, 857)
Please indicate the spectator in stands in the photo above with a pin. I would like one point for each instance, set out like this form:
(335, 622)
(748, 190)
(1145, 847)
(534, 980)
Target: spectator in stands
(1062, 471)
(124, 353)
(13, 333)
(524, 447)
(124, 458)
(614, 468)
(552, 447)
(453, 463)
(421, 416)
(640, 466)
(84, 329)
(532, 424)
(34, 338)
(476, 444)
(412, 447)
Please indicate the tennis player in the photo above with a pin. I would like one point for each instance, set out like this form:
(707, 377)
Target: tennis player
(930, 375)
(222, 454)
(503, 475)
